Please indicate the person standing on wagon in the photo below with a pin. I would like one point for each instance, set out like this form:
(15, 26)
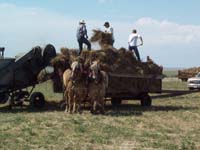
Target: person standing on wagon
(132, 43)
(110, 30)
(82, 36)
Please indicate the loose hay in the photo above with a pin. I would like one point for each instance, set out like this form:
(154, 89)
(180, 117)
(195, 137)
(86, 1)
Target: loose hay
(104, 39)
(188, 73)
(111, 60)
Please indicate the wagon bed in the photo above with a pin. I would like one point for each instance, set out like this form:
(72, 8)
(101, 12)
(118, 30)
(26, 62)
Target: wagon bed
(133, 86)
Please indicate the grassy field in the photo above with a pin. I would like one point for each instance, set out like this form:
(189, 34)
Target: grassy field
(170, 73)
(171, 123)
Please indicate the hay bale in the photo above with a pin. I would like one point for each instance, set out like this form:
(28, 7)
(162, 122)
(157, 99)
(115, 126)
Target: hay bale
(42, 76)
(73, 54)
(188, 73)
(104, 39)
(60, 61)
(65, 52)
(193, 70)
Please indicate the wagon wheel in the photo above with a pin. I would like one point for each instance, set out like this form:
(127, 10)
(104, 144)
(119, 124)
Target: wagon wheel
(116, 101)
(191, 89)
(145, 100)
(37, 100)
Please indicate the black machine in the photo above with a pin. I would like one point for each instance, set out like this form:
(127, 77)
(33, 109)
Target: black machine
(16, 74)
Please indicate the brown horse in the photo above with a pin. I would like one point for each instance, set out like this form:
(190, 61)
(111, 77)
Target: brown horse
(97, 87)
(75, 84)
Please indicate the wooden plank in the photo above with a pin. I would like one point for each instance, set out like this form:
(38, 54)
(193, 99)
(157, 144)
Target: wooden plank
(173, 93)
(151, 76)
(180, 91)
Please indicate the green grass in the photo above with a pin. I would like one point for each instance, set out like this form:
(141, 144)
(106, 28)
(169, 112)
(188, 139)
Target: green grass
(170, 73)
(171, 123)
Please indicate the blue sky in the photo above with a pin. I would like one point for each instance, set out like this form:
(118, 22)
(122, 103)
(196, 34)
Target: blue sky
(170, 29)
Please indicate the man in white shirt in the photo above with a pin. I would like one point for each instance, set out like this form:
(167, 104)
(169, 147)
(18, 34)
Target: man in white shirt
(109, 29)
(132, 43)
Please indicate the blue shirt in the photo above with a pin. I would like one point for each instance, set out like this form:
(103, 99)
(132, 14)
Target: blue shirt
(81, 31)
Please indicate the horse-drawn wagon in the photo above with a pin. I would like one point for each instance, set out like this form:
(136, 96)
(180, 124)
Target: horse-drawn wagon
(127, 78)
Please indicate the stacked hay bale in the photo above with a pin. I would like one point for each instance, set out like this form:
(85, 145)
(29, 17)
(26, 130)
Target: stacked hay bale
(60, 63)
(122, 60)
(188, 73)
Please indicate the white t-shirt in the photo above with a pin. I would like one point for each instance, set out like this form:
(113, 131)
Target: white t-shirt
(133, 39)
(109, 30)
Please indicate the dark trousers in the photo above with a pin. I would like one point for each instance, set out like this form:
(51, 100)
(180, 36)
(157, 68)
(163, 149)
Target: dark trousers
(113, 41)
(135, 51)
(82, 41)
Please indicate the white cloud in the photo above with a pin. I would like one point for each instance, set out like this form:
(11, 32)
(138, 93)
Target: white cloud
(168, 33)
(22, 28)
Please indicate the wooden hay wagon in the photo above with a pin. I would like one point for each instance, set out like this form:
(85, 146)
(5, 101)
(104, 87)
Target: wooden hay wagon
(131, 87)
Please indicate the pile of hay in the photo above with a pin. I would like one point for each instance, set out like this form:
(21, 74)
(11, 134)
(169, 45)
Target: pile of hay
(193, 70)
(188, 73)
(104, 39)
(121, 61)
(118, 61)
(64, 58)
(60, 63)
(111, 60)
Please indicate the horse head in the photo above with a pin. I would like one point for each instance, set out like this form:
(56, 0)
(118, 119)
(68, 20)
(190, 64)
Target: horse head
(95, 72)
(76, 70)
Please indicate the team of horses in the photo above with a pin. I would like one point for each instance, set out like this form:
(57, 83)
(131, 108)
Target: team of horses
(84, 83)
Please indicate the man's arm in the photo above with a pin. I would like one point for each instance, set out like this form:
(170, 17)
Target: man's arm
(141, 40)
(129, 39)
(85, 32)
(111, 30)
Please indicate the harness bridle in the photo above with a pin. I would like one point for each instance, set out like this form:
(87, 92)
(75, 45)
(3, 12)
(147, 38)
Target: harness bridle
(98, 76)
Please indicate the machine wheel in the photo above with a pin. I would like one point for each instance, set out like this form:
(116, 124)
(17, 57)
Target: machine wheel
(184, 80)
(37, 100)
(116, 101)
(191, 89)
(4, 97)
(145, 100)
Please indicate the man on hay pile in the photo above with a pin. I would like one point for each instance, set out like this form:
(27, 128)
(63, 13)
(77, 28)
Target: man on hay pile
(109, 29)
(132, 43)
(82, 36)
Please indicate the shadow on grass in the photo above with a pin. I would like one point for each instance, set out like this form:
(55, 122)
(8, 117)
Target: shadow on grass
(49, 107)
(121, 110)
(133, 109)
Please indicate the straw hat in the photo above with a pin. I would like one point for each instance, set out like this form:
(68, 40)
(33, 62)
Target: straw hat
(82, 21)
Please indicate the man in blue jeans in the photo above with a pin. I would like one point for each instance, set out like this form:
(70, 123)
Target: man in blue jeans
(82, 36)
(132, 43)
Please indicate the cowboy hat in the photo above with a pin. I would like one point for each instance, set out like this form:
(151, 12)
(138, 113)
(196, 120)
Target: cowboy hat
(82, 21)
